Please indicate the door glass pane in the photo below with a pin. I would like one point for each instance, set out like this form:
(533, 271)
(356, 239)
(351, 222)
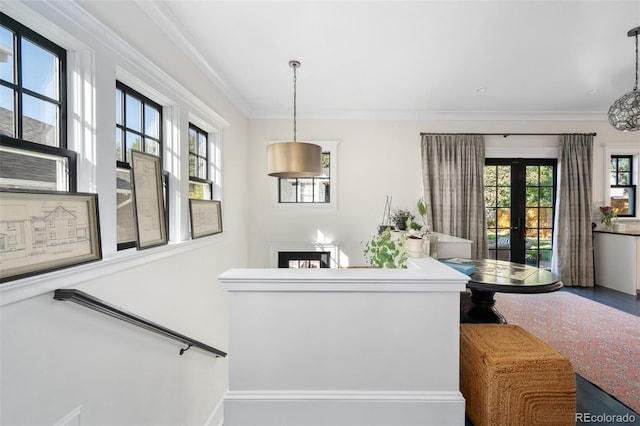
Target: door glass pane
(504, 196)
(531, 218)
(6, 55)
(7, 122)
(546, 196)
(546, 218)
(490, 176)
(532, 176)
(39, 121)
(39, 70)
(532, 196)
(546, 176)
(490, 197)
(504, 175)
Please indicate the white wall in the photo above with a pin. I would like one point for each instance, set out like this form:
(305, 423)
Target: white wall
(57, 356)
(380, 158)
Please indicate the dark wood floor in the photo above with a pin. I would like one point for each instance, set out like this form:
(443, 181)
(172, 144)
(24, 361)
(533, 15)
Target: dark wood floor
(590, 399)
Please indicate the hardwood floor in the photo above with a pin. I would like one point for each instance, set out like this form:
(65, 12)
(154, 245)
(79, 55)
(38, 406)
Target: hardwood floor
(590, 399)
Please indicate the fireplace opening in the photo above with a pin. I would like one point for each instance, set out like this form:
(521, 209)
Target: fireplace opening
(303, 259)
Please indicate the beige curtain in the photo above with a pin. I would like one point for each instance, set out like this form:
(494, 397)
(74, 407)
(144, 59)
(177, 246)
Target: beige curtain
(573, 247)
(453, 182)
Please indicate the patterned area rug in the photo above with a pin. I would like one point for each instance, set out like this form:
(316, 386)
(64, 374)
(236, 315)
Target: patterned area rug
(602, 343)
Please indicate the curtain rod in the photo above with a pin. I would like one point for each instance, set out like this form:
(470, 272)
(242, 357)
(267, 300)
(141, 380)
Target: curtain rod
(505, 134)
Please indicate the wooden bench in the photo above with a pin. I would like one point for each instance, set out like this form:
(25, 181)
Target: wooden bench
(510, 377)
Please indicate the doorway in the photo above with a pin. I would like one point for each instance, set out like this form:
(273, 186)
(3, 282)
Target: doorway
(520, 199)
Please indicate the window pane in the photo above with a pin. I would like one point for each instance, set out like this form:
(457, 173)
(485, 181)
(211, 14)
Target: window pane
(151, 121)
(119, 147)
(133, 141)
(192, 165)
(305, 190)
(624, 178)
(119, 107)
(7, 119)
(6, 55)
(33, 170)
(202, 145)
(623, 200)
(39, 70)
(321, 190)
(192, 140)
(202, 168)
(134, 113)
(152, 147)
(199, 190)
(124, 207)
(624, 164)
(39, 121)
(288, 190)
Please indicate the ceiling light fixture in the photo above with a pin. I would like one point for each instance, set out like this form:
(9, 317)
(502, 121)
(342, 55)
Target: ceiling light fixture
(294, 159)
(624, 114)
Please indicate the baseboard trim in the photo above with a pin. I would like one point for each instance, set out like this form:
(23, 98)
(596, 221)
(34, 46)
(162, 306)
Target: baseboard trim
(315, 408)
(216, 417)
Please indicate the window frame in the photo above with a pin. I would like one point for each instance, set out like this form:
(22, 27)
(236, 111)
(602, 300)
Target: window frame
(125, 165)
(632, 178)
(16, 141)
(207, 180)
(328, 147)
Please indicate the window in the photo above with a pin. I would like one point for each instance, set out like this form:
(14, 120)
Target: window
(33, 111)
(200, 186)
(623, 192)
(308, 190)
(139, 127)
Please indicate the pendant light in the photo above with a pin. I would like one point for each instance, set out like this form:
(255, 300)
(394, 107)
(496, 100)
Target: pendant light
(294, 159)
(624, 114)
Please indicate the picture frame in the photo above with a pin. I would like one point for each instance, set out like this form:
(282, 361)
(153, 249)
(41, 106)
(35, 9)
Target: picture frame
(205, 217)
(148, 200)
(43, 231)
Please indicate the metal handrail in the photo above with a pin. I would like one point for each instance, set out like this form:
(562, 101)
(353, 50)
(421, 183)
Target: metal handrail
(99, 305)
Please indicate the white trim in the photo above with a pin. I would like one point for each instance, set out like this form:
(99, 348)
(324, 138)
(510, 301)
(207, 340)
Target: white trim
(521, 152)
(216, 417)
(15, 291)
(327, 146)
(315, 408)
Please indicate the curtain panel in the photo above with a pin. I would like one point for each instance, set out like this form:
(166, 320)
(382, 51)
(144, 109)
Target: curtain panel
(573, 244)
(453, 182)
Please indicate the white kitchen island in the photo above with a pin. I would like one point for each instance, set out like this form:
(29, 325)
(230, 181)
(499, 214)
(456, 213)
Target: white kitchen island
(344, 346)
(617, 260)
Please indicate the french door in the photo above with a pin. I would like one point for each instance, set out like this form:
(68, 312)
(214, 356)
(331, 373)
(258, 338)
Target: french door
(519, 200)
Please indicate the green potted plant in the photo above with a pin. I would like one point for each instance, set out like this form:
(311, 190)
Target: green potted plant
(383, 251)
(399, 218)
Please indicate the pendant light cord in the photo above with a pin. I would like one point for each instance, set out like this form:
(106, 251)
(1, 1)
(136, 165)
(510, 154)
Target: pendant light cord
(636, 85)
(294, 66)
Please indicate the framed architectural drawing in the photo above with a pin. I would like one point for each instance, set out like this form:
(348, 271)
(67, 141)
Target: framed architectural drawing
(206, 217)
(148, 200)
(42, 231)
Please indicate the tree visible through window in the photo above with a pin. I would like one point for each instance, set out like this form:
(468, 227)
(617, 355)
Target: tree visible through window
(623, 192)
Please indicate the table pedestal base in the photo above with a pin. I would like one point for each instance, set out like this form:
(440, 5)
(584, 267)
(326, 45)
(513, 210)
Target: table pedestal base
(481, 309)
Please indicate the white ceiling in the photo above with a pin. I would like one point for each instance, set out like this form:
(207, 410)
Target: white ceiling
(412, 59)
